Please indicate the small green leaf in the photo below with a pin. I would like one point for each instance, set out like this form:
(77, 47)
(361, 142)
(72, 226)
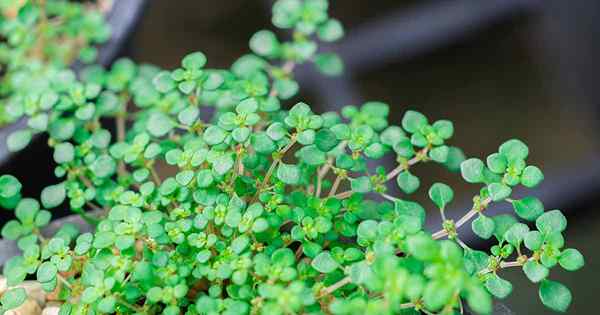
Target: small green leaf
(107, 305)
(498, 287)
(441, 194)
(413, 121)
(204, 178)
(480, 300)
(331, 31)
(104, 166)
(571, 259)
(472, 170)
(555, 295)
(53, 196)
(531, 176)
(361, 184)
(502, 223)
(260, 225)
(367, 230)
(90, 295)
(324, 263)
(455, 157)
(9, 186)
(528, 208)
(311, 155)
(184, 177)
(514, 149)
(195, 60)
(247, 106)
(189, 115)
(439, 154)
(214, 135)
(408, 182)
(159, 124)
(262, 143)
(423, 247)
(483, 226)
(533, 240)
(18, 140)
(411, 215)
(360, 272)
(46, 272)
(325, 140)
(551, 221)
(497, 163)
(329, 64)
(499, 191)
(288, 173)
(163, 82)
(12, 230)
(436, 294)
(264, 43)
(13, 298)
(277, 131)
(516, 234)
(535, 271)
(239, 244)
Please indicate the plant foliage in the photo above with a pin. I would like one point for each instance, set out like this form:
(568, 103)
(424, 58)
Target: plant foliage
(263, 210)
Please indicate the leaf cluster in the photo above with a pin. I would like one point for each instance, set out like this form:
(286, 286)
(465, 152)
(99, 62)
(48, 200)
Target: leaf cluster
(262, 210)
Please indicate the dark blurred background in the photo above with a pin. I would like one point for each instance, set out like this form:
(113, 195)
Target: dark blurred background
(498, 69)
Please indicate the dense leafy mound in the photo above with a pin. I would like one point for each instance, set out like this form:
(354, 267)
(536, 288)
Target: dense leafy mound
(261, 210)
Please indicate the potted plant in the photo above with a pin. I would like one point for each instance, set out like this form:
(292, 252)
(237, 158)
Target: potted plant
(263, 210)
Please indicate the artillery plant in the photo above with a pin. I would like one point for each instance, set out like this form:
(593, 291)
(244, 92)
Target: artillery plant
(39, 40)
(263, 210)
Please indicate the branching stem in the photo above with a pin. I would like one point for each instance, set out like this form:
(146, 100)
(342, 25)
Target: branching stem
(330, 289)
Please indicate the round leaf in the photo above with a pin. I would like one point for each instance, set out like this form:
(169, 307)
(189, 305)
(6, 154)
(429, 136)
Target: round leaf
(9, 186)
(264, 43)
(18, 140)
(472, 170)
(408, 182)
(528, 208)
(13, 298)
(330, 31)
(498, 287)
(483, 226)
(531, 176)
(288, 173)
(53, 196)
(571, 259)
(551, 221)
(514, 149)
(535, 271)
(413, 121)
(324, 263)
(555, 295)
(441, 194)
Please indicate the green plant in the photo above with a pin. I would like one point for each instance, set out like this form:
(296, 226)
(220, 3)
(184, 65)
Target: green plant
(41, 38)
(266, 210)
